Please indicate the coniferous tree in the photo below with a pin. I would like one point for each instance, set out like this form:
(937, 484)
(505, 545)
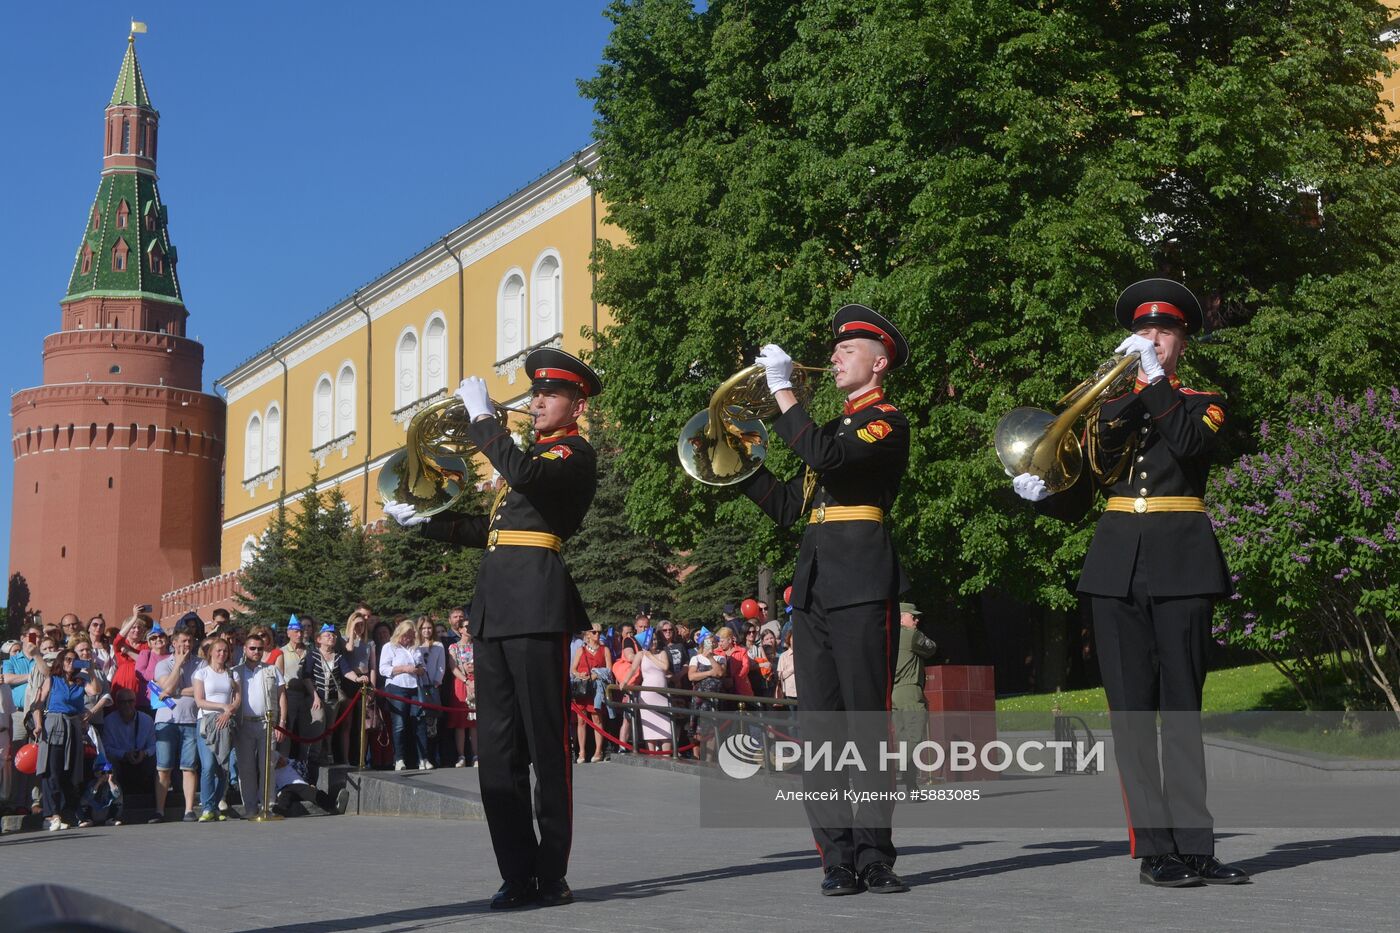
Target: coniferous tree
(312, 561)
(616, 568)
(16, 603)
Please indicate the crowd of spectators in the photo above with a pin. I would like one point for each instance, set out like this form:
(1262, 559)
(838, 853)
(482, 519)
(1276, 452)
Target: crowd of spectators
(109, 713)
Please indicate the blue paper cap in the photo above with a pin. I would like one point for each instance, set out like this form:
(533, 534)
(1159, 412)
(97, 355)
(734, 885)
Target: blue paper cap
(327, 627)
(703, 634)
(294, 624)
(155, 630)
(645, 636)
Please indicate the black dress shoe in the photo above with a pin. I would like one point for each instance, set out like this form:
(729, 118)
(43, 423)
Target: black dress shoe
(1214, 871)
(514, 894)
(839, 880)
(879, 878)
(1167, 871)
(554, 894)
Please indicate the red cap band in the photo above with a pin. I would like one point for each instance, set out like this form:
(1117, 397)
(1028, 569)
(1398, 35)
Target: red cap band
(872, 331)
(1159, 307)
(566, 375)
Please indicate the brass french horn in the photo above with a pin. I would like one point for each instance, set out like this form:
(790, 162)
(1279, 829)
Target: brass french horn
(429, 472)
(1030, 440)
(727, 441)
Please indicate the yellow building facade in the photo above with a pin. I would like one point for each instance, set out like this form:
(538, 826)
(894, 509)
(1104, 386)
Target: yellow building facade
(335, 396)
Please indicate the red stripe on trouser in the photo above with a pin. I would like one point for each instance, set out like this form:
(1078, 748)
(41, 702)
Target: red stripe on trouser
(1128, 812)
(568, 751)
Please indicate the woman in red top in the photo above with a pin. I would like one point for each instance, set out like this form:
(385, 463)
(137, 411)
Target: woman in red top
(589, 656)
(126, 649)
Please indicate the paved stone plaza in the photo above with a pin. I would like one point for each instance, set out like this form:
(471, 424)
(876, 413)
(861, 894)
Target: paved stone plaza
(638, 864)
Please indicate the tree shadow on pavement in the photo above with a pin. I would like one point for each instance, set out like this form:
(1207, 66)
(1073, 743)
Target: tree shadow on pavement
(1308, 851)
(1050, 853)
(803, 861)
(423, 917)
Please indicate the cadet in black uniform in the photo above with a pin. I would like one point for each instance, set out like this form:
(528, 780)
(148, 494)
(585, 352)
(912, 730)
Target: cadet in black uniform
(848, 578)
(1153, 573)
(524, 612)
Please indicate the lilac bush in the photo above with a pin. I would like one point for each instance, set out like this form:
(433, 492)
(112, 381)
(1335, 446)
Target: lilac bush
(1309, 527)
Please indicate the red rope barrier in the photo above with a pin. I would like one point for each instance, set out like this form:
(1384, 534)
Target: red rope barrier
(578, 709)
(395, 698)
(324, 732)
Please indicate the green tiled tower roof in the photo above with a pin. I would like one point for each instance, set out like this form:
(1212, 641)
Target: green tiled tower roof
(131, 86)
(148, 261)
(139, 192)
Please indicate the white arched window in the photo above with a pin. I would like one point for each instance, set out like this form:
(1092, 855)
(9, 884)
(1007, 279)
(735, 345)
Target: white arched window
(510, 315)
(248, 551)
(434, 355)
(406, 359)
(345, 401)
(547, 288)
(252, 447)
(321, 412)
(272, 438)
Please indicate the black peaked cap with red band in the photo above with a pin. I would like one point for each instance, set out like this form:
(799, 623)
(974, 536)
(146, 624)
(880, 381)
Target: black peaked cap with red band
(860, 321)
(553, 369)
(1158, 302)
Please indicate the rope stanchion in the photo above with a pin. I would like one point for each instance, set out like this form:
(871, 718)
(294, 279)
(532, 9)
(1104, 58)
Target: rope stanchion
(305, 740)
(578, 709)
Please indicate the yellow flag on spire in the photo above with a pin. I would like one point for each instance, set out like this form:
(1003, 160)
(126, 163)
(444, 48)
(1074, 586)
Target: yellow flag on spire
(137, 26)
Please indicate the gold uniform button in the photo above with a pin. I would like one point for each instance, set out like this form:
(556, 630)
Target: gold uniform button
(846, 421)
(1140, 505)
(1142, 476)
(1144, 429)
(1142, 492)
(1139, 460)
(1145, 416)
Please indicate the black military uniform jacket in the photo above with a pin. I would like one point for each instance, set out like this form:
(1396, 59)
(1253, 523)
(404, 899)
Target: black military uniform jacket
(526, 590)
(1176, 429)
(859, 458)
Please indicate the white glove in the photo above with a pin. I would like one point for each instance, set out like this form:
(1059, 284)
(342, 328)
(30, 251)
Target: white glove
(1030, 487)
(777, 366)
(403, 513)
(1150, 366)
(473, 394)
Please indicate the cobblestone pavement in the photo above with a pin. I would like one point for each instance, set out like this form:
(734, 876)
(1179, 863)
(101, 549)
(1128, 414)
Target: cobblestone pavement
(640, 863)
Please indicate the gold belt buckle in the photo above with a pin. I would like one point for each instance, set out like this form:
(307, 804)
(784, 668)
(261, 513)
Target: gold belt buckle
(819, 514)
(1139, 505)
(492, 538)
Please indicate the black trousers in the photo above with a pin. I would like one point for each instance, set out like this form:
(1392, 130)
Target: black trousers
(845, 663)
(1152, 655)
(522, 703)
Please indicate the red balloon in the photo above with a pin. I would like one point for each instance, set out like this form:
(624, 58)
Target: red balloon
(749, 609)
(27, 758)
(787, 596)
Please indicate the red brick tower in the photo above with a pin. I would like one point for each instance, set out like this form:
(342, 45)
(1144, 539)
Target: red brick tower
(118, 454)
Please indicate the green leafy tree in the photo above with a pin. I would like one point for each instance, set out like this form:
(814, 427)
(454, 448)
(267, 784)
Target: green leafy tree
(617, 569)
(1309, 528)
(989, 173)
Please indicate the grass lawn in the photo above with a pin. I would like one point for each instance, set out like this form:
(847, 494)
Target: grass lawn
(1236, 689)
(1256, 686)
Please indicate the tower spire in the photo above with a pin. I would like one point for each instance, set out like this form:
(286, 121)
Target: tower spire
(125, 252)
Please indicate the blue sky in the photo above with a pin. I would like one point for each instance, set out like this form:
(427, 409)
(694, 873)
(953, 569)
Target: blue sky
(305, 147)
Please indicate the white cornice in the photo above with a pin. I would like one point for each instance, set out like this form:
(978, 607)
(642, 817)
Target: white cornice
(526, 209)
